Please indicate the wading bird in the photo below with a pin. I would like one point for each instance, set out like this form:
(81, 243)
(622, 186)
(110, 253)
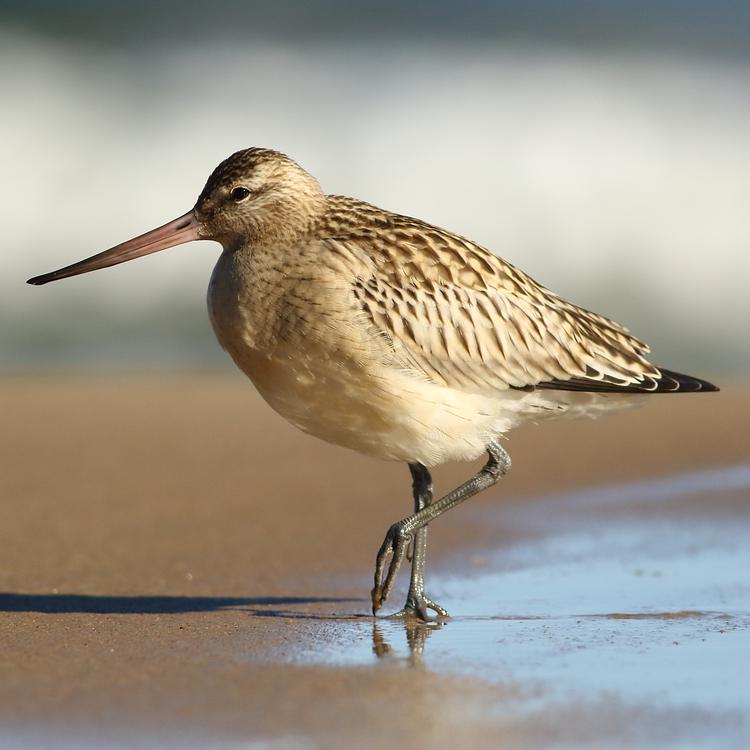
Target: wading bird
(387, 335)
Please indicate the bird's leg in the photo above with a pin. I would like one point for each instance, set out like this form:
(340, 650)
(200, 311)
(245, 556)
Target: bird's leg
(400, 534)
(417, 603)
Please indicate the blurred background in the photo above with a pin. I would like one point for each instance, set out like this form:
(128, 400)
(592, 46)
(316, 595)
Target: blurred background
(603, 147)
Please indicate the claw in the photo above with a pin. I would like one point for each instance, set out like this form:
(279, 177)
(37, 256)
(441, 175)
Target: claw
(377, 599)
(394, 546)
(436, 608)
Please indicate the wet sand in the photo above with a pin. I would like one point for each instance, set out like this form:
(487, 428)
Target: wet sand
(178, 567)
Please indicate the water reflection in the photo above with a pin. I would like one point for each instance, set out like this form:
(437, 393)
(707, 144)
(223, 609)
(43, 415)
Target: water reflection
(417, 634)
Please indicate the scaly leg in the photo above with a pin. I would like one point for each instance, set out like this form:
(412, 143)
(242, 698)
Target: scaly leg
(417, 603)
(401, 533)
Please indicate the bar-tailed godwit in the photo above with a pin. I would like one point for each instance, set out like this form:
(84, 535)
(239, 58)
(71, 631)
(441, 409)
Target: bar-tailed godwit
(390, 336)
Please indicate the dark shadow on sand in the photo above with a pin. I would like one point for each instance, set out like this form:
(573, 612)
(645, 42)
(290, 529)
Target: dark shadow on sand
(146, 605)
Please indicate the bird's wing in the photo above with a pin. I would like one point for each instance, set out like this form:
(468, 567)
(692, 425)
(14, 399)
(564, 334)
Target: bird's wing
(465, 318)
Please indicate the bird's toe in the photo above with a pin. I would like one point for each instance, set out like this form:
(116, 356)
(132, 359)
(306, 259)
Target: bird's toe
(418, 607)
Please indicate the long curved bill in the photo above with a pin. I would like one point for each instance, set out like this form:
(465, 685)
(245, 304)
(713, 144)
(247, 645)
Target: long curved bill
(182, 229)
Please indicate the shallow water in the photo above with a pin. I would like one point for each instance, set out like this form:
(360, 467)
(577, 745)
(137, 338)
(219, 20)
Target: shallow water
(635, 596)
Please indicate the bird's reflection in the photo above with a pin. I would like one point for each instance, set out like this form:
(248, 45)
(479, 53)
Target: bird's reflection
(417, 633)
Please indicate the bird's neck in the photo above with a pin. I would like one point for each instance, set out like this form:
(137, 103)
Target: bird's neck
(292, 222)
(246, 291)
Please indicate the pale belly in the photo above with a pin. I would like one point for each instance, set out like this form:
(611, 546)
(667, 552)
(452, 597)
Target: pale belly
(392, 416)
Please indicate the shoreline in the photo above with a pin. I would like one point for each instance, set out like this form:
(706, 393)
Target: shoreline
(168, 545)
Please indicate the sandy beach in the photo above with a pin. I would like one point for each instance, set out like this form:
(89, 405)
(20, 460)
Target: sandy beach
(180, 568)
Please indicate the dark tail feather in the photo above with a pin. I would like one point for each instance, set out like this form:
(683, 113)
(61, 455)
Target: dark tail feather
(669, 382)
(675, 382)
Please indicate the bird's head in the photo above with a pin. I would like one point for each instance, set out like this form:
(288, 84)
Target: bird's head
(256, 195)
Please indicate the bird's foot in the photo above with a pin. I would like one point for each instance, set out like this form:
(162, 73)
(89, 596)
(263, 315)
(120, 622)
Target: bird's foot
(394, 546)
(417, 606)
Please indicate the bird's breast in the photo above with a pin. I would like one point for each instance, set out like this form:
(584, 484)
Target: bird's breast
(303, 352)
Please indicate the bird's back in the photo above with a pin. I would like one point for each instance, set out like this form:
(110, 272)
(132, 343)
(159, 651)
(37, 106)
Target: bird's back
(466, 318)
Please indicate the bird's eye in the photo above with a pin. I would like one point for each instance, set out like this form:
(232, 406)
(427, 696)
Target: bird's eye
(239, 194)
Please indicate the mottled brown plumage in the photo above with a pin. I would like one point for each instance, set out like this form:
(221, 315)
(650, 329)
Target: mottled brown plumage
(468, 319)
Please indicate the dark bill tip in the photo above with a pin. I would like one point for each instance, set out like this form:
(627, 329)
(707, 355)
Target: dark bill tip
(40, 280)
